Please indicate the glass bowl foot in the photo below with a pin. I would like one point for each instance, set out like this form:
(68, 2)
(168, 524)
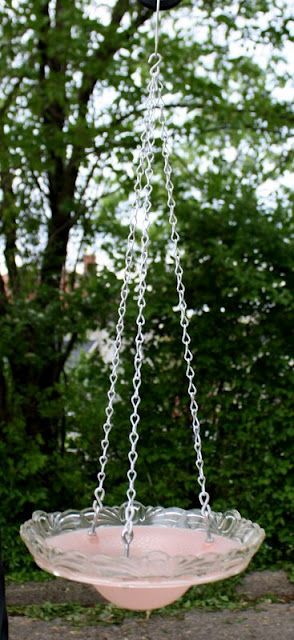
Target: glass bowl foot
(140, 598)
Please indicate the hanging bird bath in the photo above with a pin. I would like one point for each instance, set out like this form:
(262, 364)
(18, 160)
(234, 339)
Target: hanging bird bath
(171, 551)
(144, 557)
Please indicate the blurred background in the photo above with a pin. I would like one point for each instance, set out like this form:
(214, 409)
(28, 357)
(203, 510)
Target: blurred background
(72, 77)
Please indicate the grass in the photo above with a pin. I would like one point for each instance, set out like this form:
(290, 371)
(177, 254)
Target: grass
(22, 576)
(219, 596)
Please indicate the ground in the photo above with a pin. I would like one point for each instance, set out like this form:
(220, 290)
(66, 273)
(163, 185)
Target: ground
(265, 612)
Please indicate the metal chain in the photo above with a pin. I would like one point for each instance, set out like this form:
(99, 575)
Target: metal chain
(143, 201)
(184, 321)
(127, 533)
(145, 153)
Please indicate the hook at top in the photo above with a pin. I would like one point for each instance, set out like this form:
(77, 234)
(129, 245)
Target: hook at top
(155, 60)
(164, 4)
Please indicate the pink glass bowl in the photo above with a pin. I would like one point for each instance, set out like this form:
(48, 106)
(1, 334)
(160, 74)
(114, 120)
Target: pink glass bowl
(170, 551)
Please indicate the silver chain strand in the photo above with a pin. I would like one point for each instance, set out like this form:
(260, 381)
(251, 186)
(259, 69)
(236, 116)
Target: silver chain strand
(143, 202)
(127, 533)
(148, 131)
(184, 321)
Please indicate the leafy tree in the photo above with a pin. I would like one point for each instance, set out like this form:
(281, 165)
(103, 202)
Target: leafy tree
(238, 264)
(71, 89)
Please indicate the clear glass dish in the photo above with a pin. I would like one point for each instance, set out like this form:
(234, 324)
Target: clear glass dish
(170, 551)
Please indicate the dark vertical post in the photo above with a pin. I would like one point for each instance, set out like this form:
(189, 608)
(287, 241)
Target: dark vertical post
(3, 611)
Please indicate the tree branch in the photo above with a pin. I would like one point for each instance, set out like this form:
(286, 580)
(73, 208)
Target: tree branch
(5, 106)
(61, 183)
(3, 295)
(62, 179)
(42, 43)
(8, 217)
(104, 55)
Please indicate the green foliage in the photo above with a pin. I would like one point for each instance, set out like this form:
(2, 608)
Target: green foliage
(71, 86)
(238, 285)
(212, 597)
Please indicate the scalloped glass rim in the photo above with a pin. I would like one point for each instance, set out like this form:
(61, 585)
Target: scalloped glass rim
(100, 569)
